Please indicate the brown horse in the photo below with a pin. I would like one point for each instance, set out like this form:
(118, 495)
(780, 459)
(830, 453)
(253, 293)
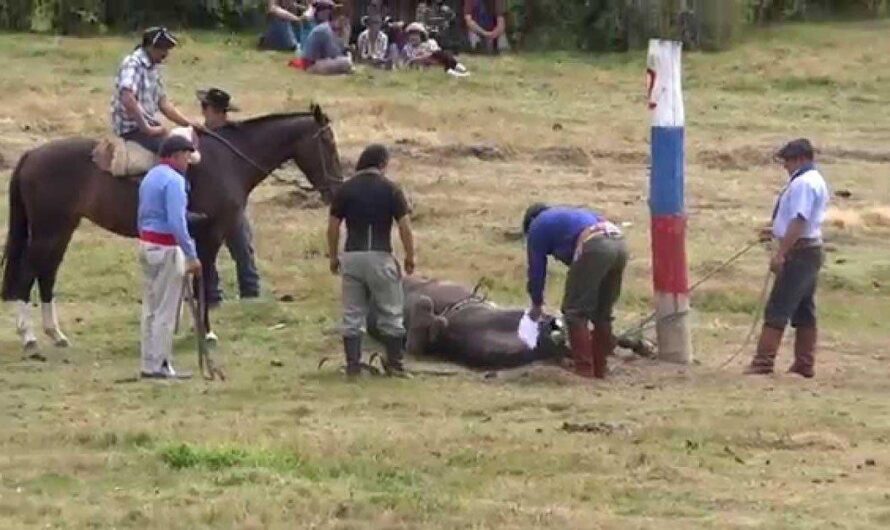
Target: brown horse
(57, 184)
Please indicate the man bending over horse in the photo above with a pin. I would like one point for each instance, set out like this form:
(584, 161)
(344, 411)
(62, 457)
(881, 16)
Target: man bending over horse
(215, 106)
(596, 254)
(139, 93)
(166, 252)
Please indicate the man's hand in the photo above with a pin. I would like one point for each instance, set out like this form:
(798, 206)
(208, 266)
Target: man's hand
(156, 130)
(409, 265)
(335, 265)
(765, 234)
(777, 262)
(198, 126)
(193, 267)
(535, 312)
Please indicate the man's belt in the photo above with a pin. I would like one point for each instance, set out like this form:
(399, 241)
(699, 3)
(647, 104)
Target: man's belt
(605, 229)
(158, 238)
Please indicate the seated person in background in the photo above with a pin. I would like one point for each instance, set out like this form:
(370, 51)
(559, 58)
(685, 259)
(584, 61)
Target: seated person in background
(486, 25)
(373, 44)
(323, 53)
(282, 17)
(421, 51)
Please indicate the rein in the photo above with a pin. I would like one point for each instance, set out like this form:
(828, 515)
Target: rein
(473, 299)
(238, 152)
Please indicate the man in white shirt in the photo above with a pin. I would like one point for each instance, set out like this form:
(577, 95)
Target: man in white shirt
(797, 228)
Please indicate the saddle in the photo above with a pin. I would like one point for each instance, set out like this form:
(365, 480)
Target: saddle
(124, 158)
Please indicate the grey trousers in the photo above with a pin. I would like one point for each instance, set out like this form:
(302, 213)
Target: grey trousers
(371, 278)
(163, 271)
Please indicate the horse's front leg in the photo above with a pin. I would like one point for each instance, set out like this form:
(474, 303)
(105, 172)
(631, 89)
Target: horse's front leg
(51, 324)
(208, 248)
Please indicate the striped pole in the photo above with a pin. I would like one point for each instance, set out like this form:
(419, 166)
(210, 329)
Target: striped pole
(666, 201)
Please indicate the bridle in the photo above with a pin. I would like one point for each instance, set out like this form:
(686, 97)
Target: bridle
(328, 179)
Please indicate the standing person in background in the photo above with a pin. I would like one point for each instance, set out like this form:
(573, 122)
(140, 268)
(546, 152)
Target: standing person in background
(797, 227)
(486, 25)
(166, 252)
(215, 106)
(369, 203)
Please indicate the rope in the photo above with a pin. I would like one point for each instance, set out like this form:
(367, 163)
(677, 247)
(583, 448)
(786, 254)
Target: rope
(644, 324)
(758, 312)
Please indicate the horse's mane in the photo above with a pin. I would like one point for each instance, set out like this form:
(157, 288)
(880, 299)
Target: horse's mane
(256, 120)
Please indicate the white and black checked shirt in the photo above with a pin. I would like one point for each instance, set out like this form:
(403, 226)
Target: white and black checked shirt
(142, 77)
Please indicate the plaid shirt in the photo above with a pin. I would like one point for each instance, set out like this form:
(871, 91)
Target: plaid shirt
(373, 50)
(139, 75)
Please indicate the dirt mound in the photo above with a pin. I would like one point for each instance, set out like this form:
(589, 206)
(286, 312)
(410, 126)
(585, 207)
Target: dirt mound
(735, 159)
(875, 217)
(855, 154)
(297, 199)
(563, 156)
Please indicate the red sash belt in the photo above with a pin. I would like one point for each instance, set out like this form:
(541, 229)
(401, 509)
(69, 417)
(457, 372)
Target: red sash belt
(157, 238)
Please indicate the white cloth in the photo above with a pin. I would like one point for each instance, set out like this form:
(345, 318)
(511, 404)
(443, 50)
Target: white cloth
(806, 197)
(163, 271)
(528, 331)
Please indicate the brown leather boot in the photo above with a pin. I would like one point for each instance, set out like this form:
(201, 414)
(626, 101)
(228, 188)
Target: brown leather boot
(582, 349)
(767, 348)
(603, 346)
(804, 352)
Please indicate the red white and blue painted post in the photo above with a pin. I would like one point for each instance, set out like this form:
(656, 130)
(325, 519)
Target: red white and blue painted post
(666, 201)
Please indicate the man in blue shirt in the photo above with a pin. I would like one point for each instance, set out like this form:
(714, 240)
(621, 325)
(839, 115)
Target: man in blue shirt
(166, 252)
(596, 254)
(323, 53)
(797, 227)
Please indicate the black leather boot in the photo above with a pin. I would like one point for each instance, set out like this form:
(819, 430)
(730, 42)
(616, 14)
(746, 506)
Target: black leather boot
(352, 347)
(393, 364)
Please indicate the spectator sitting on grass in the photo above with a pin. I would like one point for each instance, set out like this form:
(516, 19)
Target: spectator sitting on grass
(421, 51)
(282, 18)
(323, 53)
(373, 44)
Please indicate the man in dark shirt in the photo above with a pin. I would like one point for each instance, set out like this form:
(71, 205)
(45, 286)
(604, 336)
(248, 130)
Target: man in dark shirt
(369, 202)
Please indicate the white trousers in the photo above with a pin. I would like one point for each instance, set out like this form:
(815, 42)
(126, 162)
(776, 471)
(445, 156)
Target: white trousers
(163, 271)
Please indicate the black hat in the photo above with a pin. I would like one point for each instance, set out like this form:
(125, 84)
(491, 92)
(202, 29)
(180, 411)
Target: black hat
(174, 144)
(217, 98)
(530, 214)
(796, 149)
(159, 37)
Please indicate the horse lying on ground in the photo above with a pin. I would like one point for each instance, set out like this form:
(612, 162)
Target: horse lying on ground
(57, 184)
(451, 321)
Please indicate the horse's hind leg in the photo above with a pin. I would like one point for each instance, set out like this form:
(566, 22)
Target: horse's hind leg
(47, 254)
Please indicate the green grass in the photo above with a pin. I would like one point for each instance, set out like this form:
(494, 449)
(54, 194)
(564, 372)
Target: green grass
(282, 444)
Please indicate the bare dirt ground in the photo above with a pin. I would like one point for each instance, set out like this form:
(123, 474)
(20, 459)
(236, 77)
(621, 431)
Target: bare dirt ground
(283, 445)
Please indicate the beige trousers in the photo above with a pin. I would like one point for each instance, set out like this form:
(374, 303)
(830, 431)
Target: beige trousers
(163, 271)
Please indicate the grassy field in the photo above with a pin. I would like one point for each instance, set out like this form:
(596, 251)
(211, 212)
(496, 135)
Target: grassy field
(284, 445)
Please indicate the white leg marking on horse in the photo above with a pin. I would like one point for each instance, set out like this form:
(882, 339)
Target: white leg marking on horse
(23, 325)
(51, 325)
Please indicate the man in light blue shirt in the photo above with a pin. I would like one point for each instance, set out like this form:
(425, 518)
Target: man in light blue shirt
(166, 252)
(797, 228)
(323, 53)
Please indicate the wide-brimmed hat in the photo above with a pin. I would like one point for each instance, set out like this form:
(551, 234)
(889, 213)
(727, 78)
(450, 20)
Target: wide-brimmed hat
(417, 27)
(217, 98)
(175, 144)
(159, 37)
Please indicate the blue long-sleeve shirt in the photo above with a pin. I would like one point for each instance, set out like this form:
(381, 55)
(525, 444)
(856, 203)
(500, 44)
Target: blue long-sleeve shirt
(163, 197)
(554, 232)
(322, 44)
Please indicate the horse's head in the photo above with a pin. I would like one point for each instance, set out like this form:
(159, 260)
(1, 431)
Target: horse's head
(424, 326)
(316, 155)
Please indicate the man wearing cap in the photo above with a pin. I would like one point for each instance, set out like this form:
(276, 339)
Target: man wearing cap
(369, 203)
(797, 229)
(596, 254)
(323, 53)
(215, 106)
(139, 93)
(166, 252)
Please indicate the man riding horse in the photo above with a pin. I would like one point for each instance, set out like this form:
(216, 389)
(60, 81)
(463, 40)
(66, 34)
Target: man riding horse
(139, 93)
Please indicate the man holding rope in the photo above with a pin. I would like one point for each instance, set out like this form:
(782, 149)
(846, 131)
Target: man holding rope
(797, 228)
(166, 252)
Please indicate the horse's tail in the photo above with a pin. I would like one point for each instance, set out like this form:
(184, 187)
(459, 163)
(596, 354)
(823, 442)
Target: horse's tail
(16, 236)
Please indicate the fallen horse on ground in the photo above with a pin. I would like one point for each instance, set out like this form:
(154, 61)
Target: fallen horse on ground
(451, 321)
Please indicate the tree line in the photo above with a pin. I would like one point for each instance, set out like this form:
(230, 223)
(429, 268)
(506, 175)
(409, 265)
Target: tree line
(535, 24)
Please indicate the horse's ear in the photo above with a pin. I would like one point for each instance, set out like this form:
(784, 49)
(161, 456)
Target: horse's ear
(318, 114)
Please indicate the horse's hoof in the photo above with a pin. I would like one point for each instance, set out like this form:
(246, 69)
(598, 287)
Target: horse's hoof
(62, 342)
(211, 337)
(30, 346)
